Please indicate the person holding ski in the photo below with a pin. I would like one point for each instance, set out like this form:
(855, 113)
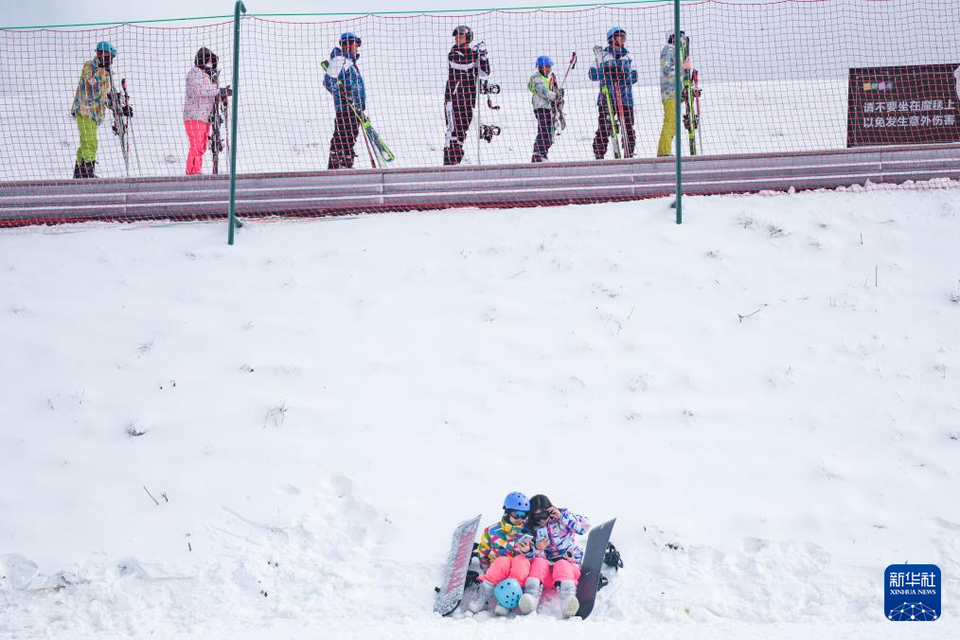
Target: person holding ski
(342, 78)
(505, 551)
(616, 75)
(95, 94)
(557, 558)
(668, 94)
(467, 66)
(200, 97)
(546, 99)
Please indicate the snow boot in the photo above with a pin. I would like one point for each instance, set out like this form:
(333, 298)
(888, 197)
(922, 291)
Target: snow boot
(76, 171)
(531, 596)
(569, 604)
(86, 169)
(482, 599)
(500, 610)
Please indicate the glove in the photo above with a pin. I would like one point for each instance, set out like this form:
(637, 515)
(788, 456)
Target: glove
(481, 49)
(560, 93)
(126, 111)
(225, 93)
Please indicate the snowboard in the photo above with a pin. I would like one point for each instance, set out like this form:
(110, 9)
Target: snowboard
(592, 563)
(458, 563)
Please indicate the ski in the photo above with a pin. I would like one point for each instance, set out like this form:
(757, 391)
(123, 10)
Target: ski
(218, 124)
(691, 103)
(598, 53)
(121, 123)
(559, 118)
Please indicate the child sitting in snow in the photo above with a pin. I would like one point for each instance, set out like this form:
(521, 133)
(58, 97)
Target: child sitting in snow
(555, 533)
(505, 551)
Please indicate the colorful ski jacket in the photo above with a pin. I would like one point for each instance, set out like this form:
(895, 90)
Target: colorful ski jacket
(201, 93)
(668, 72)
(539, 86)
(616, 72)
(92, 98)
(344, 68)
(465, 66)
(498, 540)
(562, 537)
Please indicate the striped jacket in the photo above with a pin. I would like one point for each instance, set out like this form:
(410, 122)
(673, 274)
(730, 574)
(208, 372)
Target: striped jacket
(92, 98)
(561, 536)
(498, 540)
(465, 65)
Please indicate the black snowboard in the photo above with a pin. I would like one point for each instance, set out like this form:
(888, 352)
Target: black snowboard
(590, 570)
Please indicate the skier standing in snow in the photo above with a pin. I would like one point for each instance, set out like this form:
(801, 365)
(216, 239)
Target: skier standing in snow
(546, 99)
(615, 72)
(555, 531)
(668, 94)
(505, 551)
(201, 95)
(95, 94)
(342, 78)
(467, 66)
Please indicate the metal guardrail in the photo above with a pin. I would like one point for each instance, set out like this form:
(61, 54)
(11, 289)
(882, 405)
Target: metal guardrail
(342, 192)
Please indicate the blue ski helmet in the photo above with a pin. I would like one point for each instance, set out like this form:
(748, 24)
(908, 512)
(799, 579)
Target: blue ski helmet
(349, 36)
(106, 47)
(614, 31)
(516, 501)
(508, 593)
(544, 61)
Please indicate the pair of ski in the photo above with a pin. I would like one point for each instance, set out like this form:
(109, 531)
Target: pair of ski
(691, 98)
(559, 118)
(458, 572)
(122, 123)
(377, 149)
(218, 125)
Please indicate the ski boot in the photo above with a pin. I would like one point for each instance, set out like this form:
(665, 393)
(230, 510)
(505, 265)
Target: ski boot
(482, 599)
(569, 605)
(531, 596)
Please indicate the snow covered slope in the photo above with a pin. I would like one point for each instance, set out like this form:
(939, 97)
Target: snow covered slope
(276, 439)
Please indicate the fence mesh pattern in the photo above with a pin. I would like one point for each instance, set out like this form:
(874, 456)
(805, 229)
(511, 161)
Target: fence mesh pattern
(773, 77)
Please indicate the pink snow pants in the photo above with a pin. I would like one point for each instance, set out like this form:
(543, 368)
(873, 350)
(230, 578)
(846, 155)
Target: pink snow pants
(503, 567)
(197, 131)
(560, 571)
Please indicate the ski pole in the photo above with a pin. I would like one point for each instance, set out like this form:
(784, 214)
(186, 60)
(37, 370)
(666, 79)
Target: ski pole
(571, 65)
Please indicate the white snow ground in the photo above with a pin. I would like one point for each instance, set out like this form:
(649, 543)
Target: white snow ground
(766, 397)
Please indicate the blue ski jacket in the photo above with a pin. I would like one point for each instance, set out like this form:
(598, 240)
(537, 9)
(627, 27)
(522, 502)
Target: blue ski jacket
(344, 68)
(617, 73)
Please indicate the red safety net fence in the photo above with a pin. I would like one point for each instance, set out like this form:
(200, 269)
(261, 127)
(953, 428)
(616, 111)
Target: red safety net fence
(408, 95)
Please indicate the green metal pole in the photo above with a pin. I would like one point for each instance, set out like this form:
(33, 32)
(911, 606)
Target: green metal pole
(233, 128)
(677, 65)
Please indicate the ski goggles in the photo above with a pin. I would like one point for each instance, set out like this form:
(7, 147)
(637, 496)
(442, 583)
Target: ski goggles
(517, 514)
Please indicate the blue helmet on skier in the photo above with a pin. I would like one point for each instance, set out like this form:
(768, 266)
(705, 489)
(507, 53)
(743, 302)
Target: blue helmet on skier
(508, 593)
(544, 61)
(348, 37)
(516, 501)
(106, 47)
(614, 31)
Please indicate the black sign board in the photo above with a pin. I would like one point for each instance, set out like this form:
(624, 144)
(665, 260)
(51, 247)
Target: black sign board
(915, 104)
